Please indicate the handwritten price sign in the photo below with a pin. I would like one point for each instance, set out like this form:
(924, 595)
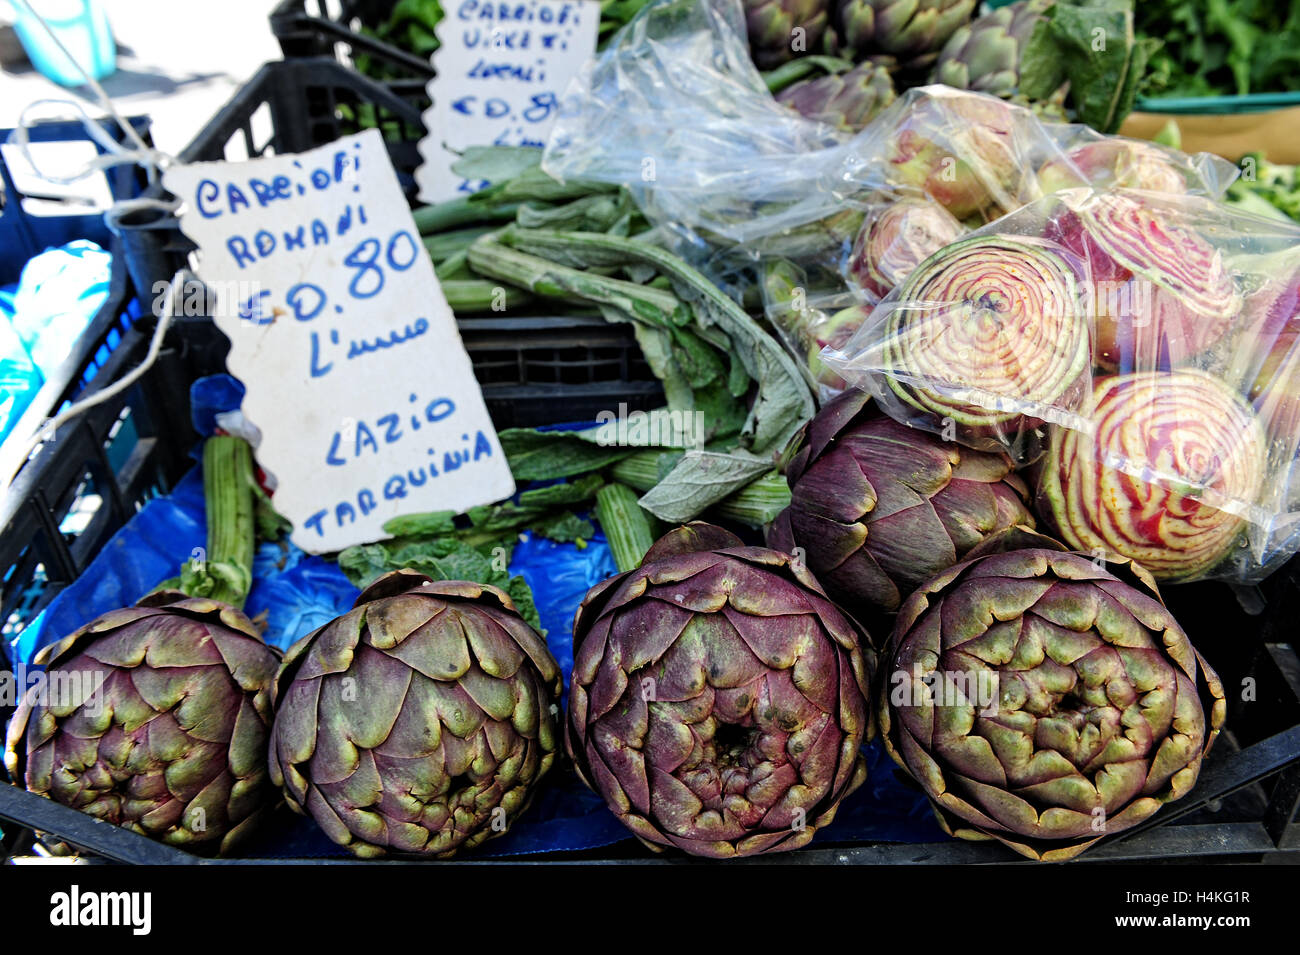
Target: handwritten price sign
(354, 370)
(502, 68)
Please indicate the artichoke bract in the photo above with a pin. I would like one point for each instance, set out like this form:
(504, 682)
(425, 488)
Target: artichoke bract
(718, 699)
(847, 100)
(154, 718)
(989, 333)
(876, 507)
(896, 239)
(1172, 461)
(419, 722)
(772, 24)
(913, 31)
(984, 55)
(1162, 292)
(1045, 702)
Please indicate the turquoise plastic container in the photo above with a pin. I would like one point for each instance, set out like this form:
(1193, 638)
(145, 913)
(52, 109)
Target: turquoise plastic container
(81, 26)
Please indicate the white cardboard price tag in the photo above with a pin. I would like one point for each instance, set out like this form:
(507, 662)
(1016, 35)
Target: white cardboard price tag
(355, 372)
(502, 69)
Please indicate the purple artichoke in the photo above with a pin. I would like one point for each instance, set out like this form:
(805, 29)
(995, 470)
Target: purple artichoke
(718, 699)
(847, 101)
(984, 55)
(154, 718)
(1045, 702)
(876, 507)
(772, 25)
(914, 31)
(420, 721)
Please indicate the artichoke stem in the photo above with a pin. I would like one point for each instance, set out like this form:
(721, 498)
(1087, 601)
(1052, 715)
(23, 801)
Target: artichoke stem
(228, 482)
(626, 525)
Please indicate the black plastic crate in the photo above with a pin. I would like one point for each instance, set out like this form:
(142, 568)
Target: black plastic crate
(338, 28)
(24, 234)
(79, 488)
(294, 105)
(539, 369)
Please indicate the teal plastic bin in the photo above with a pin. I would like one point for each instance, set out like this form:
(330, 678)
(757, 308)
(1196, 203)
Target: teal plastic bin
(81, 26)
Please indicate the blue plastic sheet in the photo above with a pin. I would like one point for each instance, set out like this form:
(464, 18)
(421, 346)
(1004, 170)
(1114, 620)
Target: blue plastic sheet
(298, 593)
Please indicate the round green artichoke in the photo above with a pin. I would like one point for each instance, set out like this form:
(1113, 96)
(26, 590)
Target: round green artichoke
(772, 25)
(876, 507)
(847, 101)
(420, 721)
(913, 31)
(984, 55)
(718, 699)
(154, 718)
(1045, 702)
(1170, 462)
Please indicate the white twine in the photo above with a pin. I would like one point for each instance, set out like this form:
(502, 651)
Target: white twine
(140, 153)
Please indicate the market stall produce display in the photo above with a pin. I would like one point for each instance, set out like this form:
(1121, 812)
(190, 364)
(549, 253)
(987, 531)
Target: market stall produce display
(951, 378)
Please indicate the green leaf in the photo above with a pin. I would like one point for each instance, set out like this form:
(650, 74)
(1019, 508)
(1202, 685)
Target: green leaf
(496, 163)
(546, 455)
(522, 595)
(428, 524)
(700, 480)
(564, 528)
(1092, 43)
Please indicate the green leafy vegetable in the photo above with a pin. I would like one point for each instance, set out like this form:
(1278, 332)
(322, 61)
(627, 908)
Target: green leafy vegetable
(1216, 47)
(1093, 45)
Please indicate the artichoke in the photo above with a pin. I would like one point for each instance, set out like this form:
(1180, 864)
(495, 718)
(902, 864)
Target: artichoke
(772, 25)
(1192, 454)
(913, 31)
(877, 507)
(835, 332)
(1114, 162)
(964, 150)
(154, 718)
(896, 239)
(990, 333)
(1275, 386)
(985, 55)
(847, 101)
(718, 699)
(1045, 702)
(420, 721)
(1162, 292)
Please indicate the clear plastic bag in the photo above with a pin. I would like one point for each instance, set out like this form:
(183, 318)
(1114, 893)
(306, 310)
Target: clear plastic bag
(740, 184)
(1143, 348)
